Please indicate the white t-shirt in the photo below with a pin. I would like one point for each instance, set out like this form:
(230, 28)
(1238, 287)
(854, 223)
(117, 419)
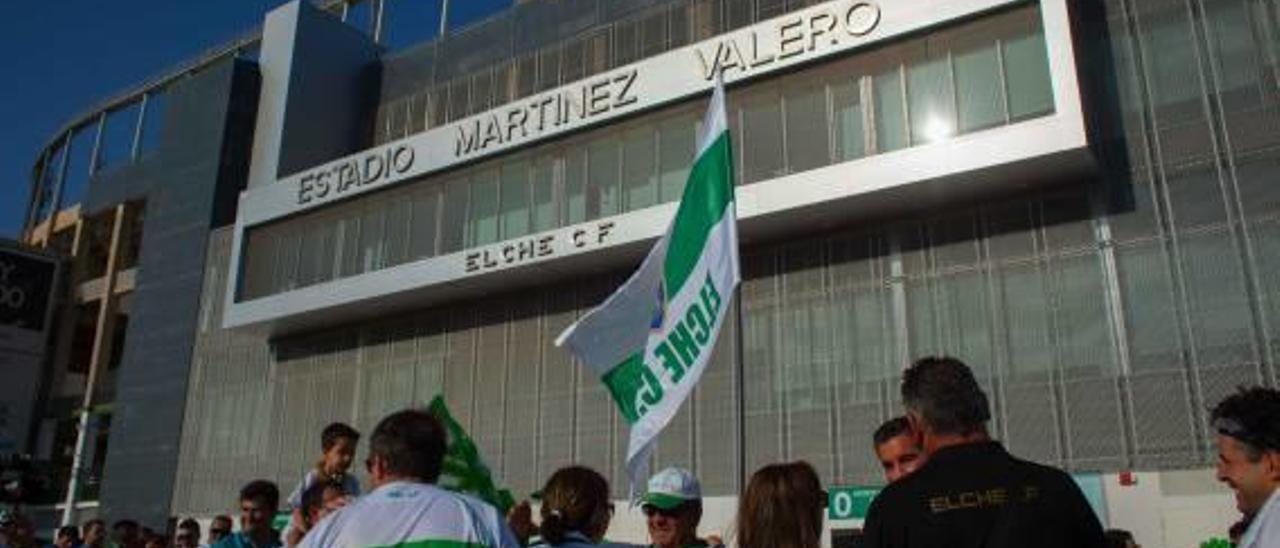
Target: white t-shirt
(402, 513)
(1264, 532)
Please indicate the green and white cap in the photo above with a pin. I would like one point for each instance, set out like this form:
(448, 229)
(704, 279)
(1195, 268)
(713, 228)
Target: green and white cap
(671, 488)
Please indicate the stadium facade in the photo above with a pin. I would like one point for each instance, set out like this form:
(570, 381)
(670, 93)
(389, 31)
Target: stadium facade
(1080, 199)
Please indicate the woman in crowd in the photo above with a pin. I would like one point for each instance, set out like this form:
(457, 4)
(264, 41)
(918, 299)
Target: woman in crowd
(782, 508)
(575, 508)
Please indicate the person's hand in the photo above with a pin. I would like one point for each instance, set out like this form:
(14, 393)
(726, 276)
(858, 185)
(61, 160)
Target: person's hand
(714, 541)
(520, 519)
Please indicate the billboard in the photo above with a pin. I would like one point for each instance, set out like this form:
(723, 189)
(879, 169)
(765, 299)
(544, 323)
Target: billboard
(27, 281)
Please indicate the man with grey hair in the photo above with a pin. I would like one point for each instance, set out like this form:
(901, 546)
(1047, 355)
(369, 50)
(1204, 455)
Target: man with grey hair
(1248, 428)
(972, 493)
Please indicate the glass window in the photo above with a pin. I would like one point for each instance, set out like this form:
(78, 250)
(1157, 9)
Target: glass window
(515, 199)
(438, 105)
(978, 89)
(397, 119)
(626, 34)
(526, 75)
(597, 52)
(315, 264)
(653, 35)
(408, 22)
(676, 138)
(931, 110)
(417, 113)
(548, 69)
(851, 142)
(761, 138)
(1026, 65)
(453, 216)
(573, 58)
(602, 177)
(349, 232)
(49, 181)
(399, 216)
(373, 240)
(481, 91)
(422, 234)
(890, 111)
(482, 215)
(639, 179)
(544, 199)
(77, 175)
(575, 185)
(259, 256)
(153, 116)
(459, 98)
(117, 136)
(808, 142)
(286, 267)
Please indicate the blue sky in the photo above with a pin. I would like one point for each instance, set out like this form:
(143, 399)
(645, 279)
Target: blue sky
(63, 56)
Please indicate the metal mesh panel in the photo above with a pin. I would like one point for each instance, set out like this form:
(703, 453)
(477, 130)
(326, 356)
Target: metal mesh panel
(1031, 422)
(1095, 431)
(715, 436)
(490, 388)
(1162, 419)
(520, 426)
(556, 404)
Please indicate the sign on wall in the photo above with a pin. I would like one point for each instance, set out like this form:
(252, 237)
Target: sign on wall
(850, 502)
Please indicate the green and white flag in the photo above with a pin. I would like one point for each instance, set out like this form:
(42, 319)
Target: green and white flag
(651, 340)
(463, 470)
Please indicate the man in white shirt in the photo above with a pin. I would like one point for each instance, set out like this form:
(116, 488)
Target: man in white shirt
(1248, 428)
(406, 452)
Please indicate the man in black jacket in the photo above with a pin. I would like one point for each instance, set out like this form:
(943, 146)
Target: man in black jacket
(972, 493)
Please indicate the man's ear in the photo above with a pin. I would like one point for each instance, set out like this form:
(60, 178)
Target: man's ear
(917, 426)
(1271, 460)
(377, 466)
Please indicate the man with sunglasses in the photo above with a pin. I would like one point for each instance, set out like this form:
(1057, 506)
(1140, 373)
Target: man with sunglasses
(1248, 428)
(673, 507)
(219, 529)
(187, 535)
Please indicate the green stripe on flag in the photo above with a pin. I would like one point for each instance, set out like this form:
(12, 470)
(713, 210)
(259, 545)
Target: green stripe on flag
(463, 471)
(627, 380)
(709, 191)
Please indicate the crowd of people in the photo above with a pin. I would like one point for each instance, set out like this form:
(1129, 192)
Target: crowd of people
(949, 485)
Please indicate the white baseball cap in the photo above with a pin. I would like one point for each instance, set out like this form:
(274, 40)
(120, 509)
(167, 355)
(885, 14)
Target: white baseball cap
(671, 488)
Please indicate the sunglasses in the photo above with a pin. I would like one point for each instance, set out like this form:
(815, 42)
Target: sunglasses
(651, 511)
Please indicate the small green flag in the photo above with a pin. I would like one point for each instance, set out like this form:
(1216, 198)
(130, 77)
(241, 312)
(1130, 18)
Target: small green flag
(463, 470)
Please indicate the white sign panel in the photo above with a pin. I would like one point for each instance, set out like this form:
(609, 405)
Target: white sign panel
(778, 44)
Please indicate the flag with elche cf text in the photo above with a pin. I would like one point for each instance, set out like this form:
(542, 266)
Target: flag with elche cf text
(651, 340)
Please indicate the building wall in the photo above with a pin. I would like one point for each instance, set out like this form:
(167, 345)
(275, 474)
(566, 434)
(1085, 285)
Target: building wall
(186, 188)
(1103, 316)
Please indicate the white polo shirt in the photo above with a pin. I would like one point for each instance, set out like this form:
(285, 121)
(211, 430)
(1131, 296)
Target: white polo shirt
(417, 515)
(1264, 532)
